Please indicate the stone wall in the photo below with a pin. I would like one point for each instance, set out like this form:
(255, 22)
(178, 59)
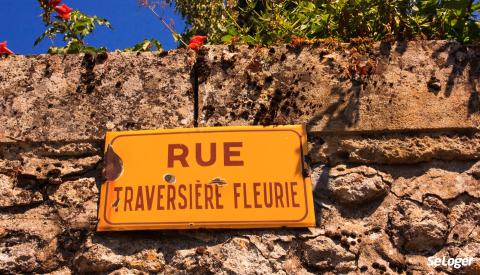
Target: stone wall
(394, 134)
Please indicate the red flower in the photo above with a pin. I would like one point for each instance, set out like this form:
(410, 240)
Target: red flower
(55, 3)
(4, 49)
(198, 39)
(196, 42)
(63, 11)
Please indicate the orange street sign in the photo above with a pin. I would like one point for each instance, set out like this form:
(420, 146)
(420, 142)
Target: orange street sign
(222, 177)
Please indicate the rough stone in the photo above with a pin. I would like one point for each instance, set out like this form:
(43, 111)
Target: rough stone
(29, 242)
(126, 271)
(61, 271)
(80, 149)
(378, 255)
(417, 230)
(240, 256)
(18, 256)
(75, 97)
(40, 222)
(357, 185)
(77, 203)
(54, 170)
(98, 258)
(395, 165)
(475, 170)
(11, 195)
(320, 86)
(267, 246)
(443, 184)
(106, 255)
(323, 254)
(464, 220)
(396, 148)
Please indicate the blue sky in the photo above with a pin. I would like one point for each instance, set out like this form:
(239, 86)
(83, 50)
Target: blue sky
(21, 24)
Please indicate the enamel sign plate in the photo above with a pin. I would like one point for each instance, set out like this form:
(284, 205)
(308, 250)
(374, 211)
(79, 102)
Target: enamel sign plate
(222, 177)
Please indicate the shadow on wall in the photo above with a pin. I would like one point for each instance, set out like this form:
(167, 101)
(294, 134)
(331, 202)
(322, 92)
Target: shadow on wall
(461, 57)
(464, 61)
(344, 110)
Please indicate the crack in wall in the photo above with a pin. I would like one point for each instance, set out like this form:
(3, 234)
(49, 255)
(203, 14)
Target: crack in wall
(199, 74)
(194, 82)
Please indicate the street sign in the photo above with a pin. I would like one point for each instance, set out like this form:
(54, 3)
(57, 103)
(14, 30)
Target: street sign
(221, 177)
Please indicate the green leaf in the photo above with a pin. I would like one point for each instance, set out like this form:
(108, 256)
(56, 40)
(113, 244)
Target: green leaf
(476, 7)
(145, 45)
(456, 4)
(227, 38)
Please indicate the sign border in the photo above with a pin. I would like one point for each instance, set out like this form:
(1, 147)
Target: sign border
(197, 130)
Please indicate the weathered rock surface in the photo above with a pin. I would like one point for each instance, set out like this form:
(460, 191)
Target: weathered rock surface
(337, 87)
(323, 254)
(10, 195)
(75, 97)
(101, 258)
(359, 185)
(396, 148)
(395, 164)
(441, 184)
(416, 229)
(76, 203)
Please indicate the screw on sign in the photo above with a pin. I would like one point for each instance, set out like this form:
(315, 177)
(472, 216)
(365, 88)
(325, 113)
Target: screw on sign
(224, 177)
